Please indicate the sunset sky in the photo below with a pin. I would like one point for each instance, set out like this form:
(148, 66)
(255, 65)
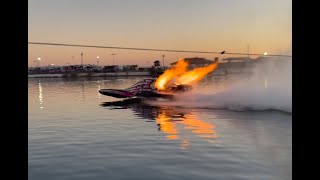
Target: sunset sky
(201, 25)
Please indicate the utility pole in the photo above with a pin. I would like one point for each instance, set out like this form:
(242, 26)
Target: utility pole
(248, 51)
(97, 60)
(113, 58)
(39, 59)
(81, 59)
(163, 60)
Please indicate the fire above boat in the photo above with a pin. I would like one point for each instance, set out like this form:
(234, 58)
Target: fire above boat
(173, 81)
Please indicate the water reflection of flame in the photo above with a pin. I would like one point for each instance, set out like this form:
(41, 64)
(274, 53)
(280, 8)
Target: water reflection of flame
(201, 128)
(167, 126)
(184, 144)
(169, 121)
(173, 122)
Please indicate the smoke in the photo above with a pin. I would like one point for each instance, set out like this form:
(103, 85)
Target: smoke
(269, 87)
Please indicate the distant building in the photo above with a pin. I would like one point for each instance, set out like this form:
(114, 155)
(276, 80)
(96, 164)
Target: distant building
(196, 62)
(226, 66)
(237, 59)
(130, 67)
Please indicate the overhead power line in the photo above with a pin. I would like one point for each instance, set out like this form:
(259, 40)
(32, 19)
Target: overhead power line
(146, 49)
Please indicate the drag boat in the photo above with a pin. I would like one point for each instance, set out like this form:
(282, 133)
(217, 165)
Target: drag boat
(146, 89)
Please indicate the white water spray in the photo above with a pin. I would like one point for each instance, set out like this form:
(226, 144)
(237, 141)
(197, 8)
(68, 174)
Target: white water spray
(269, 87)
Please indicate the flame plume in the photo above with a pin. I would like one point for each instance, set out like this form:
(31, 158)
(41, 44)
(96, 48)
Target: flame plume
(163, 80)
(180, 75)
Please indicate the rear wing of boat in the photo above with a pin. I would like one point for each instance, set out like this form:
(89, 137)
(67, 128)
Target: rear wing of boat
(144, 85)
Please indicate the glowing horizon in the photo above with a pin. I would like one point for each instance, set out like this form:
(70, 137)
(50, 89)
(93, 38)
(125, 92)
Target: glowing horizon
(202, 25)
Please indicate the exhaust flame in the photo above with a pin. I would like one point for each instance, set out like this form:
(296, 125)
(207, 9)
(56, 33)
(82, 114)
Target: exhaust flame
(197, 74)
(170, 74)
(179, 74)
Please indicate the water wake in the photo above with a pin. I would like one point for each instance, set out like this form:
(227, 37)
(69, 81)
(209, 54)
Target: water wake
(268, 88)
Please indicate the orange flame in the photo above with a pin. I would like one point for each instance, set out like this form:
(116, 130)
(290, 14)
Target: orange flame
(197, 74)
(170, 74)
(179, 74)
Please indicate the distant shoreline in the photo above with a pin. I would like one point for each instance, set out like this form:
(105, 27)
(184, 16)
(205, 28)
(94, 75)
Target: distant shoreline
(89, 74)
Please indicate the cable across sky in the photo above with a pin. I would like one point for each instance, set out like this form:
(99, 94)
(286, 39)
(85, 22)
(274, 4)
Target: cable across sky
(146, 49)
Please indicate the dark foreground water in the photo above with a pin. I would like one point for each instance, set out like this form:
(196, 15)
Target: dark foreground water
(73, 136)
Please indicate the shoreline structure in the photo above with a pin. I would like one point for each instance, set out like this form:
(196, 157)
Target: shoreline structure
(236, 65)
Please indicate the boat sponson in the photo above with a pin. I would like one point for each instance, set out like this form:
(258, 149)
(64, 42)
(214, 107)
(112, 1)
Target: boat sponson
(116, 93)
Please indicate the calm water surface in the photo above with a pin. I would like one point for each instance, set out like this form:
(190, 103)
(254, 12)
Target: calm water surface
(73, 136)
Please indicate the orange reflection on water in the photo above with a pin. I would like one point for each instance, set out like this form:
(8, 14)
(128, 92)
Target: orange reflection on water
(201, 128)
(167, 126)
(184, 144)
(169, 120)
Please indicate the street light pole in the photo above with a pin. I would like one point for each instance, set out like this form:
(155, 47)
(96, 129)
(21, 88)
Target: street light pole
(39, 59)
(113, 58)
(163, 60)
(97, 60)
(81, 59)
(248, 49)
